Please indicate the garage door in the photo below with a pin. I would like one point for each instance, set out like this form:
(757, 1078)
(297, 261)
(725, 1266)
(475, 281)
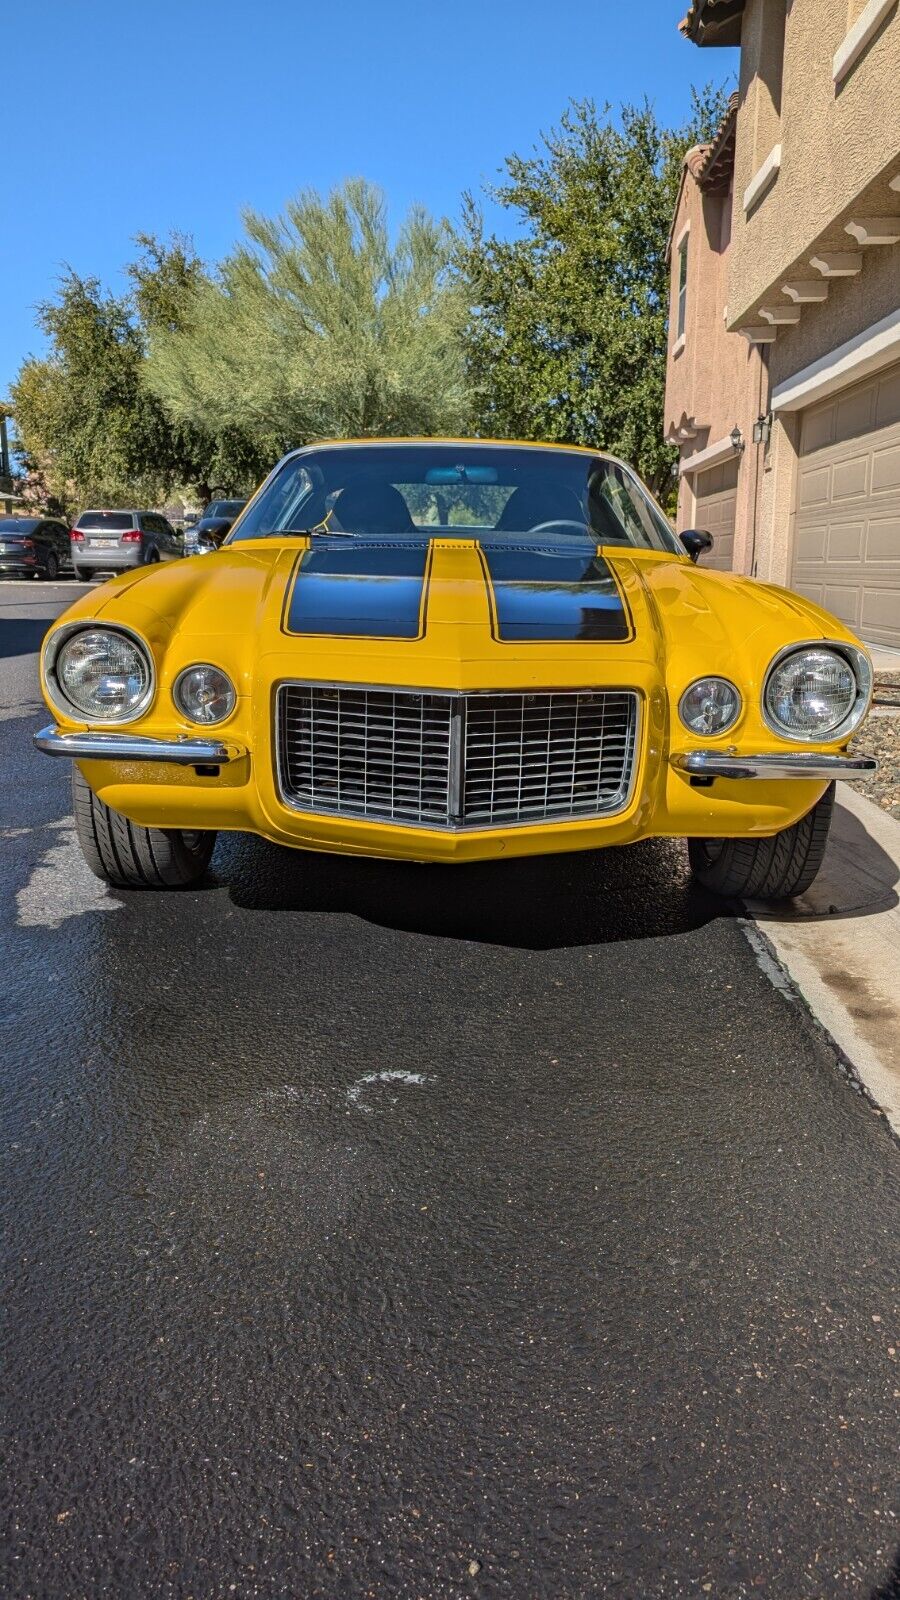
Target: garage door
(847, 531)
(716, 495)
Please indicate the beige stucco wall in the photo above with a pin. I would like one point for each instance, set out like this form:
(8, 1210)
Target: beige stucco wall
(853, 305)
(775, 512)
(839, 143)
(717, 380)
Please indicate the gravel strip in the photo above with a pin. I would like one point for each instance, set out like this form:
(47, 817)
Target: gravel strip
(880, 737)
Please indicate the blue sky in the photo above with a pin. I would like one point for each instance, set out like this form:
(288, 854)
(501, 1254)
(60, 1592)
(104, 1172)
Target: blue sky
(126, 118)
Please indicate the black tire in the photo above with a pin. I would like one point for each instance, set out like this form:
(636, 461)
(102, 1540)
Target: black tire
(766, 869)
(51, 570)
(152, 556)
(131, 857)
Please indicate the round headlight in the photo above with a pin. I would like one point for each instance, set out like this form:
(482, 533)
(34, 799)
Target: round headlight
(710, 705)
(814, 692)
(104, 675)
(204, 693)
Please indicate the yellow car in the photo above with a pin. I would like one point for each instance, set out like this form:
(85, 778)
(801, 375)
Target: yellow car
(453, 650)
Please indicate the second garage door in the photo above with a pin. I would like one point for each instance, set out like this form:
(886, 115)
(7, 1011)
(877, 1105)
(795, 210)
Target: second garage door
(847, 530)
(715, 492)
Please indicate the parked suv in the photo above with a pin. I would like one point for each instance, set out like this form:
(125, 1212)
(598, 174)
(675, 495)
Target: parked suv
(112, 541)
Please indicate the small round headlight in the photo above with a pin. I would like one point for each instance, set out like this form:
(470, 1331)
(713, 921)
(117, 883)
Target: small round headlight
(104, 675)
(204, 693)
(710, 705)
(812, 693)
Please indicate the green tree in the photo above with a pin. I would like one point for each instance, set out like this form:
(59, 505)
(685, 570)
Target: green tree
(567, 333)
(317, 325)
(81, 413)
(88, 425)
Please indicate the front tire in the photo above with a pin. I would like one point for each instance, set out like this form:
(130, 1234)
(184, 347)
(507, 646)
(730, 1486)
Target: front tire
(128, 856)
(766, 869)
(51, 568)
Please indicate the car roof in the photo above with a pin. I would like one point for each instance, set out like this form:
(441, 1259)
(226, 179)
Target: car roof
(491, 444)
(470, 444)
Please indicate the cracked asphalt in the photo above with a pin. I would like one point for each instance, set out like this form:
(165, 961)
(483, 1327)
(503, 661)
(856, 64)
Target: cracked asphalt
(381, 1230)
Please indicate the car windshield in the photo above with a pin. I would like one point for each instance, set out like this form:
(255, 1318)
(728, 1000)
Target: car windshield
(106, 519)
(467, 490)
(17, 524)
(222, 508)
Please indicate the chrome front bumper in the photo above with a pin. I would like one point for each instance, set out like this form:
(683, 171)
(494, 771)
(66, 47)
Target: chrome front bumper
(133, 747)
(799, 764)
(103, 746)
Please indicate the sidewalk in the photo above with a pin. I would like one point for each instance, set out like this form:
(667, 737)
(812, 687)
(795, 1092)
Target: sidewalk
(840, 942)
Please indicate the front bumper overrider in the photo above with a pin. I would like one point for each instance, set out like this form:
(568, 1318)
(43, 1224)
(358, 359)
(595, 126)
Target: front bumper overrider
(102, 746)
(795, 764)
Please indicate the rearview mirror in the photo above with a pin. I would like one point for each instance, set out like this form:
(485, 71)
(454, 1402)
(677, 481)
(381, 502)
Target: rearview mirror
(696, 541)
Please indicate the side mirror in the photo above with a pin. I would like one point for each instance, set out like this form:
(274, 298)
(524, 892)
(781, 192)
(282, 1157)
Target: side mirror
(696, 541)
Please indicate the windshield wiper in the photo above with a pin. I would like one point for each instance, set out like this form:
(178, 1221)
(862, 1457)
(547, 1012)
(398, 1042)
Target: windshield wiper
(305, 533)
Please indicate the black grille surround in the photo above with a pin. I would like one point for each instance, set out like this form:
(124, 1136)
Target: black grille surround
(455, 762)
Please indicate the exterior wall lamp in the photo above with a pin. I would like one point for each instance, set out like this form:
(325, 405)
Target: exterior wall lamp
(762, 429)
(737, 439)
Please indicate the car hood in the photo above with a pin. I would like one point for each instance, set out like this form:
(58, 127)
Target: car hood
(452, 612)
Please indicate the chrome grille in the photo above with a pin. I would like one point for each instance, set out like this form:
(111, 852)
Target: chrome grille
(530, 756)
(454, 761)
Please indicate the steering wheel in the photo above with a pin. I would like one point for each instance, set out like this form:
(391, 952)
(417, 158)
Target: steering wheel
(559, 523)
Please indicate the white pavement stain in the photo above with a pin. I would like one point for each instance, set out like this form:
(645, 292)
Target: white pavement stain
(357, 1090)
(62, 885)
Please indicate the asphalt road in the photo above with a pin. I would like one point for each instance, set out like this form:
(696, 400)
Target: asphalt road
(382, 1230)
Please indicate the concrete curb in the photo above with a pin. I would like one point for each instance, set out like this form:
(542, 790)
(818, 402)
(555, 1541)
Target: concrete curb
(840, 944)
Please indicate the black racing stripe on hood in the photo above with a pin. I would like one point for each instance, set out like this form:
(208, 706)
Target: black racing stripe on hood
(360, 590)
(547, 593)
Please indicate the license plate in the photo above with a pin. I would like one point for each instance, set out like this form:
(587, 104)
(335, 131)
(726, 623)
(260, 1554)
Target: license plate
(101, 544)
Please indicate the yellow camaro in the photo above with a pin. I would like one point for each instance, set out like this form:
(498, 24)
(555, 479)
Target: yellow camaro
(451, 650)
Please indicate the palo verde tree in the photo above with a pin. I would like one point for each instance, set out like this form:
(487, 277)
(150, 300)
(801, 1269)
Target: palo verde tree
(567, 334)
(318, 324)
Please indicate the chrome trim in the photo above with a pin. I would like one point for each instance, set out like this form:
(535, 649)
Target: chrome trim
(456, 752)
(799, 764)
(57, 695)
(133, 747)
(861, 667)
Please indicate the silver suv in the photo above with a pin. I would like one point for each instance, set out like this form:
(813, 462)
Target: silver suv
(112, 541)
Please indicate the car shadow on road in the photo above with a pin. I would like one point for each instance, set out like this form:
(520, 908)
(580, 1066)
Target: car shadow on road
(640, 891)
(858, 878)
(21, 636)
(890, 1589)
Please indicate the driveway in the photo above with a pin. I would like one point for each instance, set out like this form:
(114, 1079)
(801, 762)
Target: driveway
(382, 1230)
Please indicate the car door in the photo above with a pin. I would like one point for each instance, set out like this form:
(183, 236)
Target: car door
(44, 543)
(172, 542)
(150, 536)
(60, 540)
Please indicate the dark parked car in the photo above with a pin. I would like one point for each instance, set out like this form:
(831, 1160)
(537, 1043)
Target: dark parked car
(113, 541)
(216, 521)
(34, 546)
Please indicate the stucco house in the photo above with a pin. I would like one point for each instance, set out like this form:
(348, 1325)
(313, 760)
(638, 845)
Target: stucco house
(783, 379)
